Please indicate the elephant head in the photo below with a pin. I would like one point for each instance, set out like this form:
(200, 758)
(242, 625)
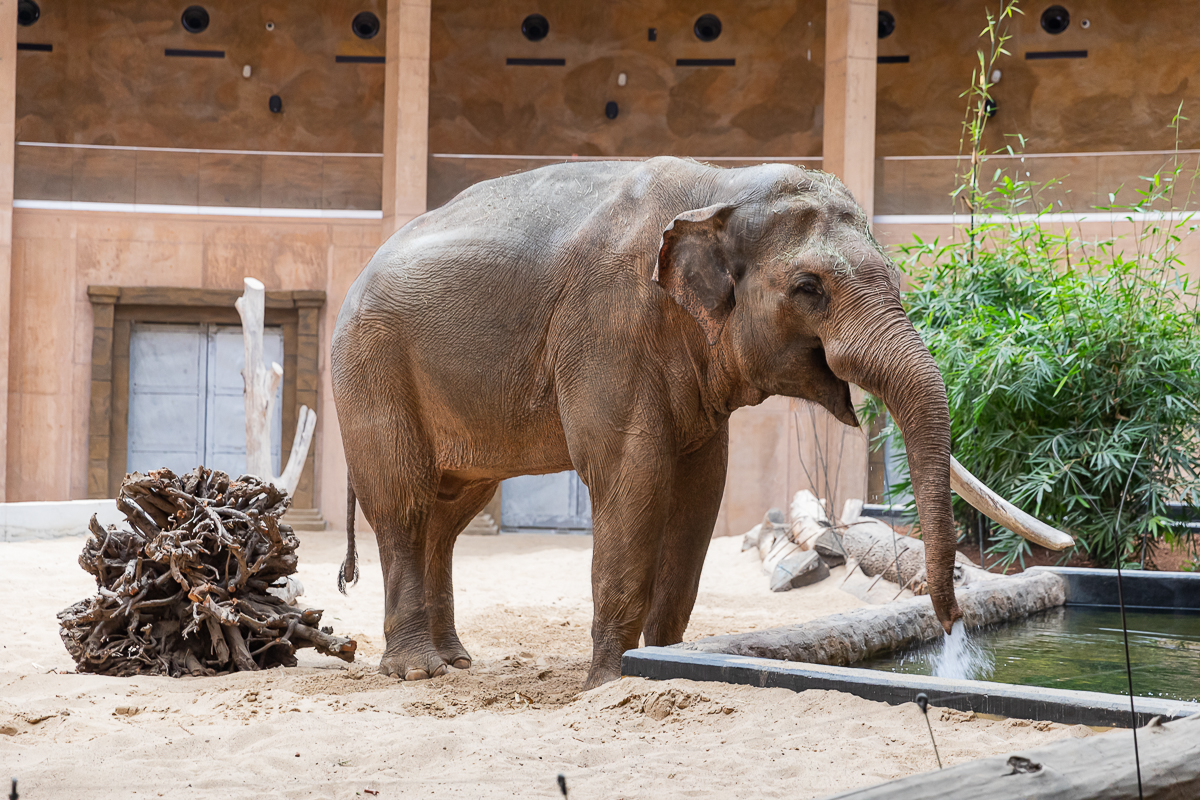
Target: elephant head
(789, 282)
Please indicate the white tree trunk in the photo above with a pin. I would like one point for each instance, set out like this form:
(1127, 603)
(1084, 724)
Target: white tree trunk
(261, 384)
(873, 546)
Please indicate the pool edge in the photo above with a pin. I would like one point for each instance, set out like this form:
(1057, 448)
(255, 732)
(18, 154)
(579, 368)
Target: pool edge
(1034, 703)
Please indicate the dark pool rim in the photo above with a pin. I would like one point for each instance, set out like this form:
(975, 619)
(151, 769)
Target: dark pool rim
(1143, 590)
(1035, 703)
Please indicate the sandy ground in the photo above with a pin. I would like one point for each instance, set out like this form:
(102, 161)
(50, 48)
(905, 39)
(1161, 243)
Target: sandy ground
(506, 728)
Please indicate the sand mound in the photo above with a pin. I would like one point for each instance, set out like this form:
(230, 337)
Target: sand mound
(506, 728)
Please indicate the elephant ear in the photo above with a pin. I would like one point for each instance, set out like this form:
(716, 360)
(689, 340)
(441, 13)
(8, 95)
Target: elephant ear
(693, 267)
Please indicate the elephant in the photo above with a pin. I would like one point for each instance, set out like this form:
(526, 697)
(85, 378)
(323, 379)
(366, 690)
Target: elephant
(608, 317)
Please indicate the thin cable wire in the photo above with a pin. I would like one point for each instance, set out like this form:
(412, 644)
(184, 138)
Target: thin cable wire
(837, 537)
(1137, 761)
(979, 526)
(923, 704)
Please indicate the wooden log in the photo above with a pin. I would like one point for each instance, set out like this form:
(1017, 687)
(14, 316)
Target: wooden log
(1096, 767)
(813, 530)
(996, 508)
(306, 425)
(863, 633)
(261, 384)
(190, 592)
(220, 646)
(237, 646)
(875, 547)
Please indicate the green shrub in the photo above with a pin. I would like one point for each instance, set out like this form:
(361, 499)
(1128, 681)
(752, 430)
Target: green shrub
(1072, 367)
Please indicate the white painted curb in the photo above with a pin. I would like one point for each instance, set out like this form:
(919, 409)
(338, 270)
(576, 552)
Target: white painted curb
(46, 520)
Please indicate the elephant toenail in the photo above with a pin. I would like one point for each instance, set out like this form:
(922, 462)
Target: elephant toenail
(462, 663)
(416, 675)
(440, 671)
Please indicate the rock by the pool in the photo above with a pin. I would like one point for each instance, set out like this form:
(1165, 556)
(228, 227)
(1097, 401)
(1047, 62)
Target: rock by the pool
(801, 568)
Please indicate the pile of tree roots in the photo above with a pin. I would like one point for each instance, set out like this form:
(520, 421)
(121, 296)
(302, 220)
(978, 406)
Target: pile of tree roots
(184, 591)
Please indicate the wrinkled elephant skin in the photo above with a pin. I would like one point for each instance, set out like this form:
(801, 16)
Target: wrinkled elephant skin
(608, 317)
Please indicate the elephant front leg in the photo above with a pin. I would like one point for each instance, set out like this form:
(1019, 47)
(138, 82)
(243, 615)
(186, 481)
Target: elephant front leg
(629, 513)
(696, 500)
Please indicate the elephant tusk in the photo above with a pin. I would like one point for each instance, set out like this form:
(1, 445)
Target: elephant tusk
(996, 508)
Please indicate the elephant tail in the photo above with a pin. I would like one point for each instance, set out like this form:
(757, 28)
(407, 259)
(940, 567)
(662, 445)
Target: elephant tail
(349, 571)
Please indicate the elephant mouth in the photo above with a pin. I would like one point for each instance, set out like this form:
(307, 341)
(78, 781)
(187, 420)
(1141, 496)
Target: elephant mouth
(818, 383)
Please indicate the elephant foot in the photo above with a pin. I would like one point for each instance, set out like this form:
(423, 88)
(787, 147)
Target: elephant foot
(454, 654)
(598, 676)
(412, 667)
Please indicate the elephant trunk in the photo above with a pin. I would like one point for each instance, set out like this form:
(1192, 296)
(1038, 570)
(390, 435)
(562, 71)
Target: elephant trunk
(890, 361)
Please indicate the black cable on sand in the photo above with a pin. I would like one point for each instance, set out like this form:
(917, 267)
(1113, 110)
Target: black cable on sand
(1137, 761)
(923, 704)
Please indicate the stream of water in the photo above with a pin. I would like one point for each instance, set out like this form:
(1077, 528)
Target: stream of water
(961, 656)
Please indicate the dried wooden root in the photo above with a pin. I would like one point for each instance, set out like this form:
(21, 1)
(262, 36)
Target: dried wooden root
(184, 590)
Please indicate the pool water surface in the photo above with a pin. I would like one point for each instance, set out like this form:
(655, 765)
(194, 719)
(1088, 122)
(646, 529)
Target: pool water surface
(1076, 647)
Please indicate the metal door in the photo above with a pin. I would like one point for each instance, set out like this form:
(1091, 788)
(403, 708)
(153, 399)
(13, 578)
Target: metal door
(225, 406)
(546, 502)
(167, 376)
(185, 397)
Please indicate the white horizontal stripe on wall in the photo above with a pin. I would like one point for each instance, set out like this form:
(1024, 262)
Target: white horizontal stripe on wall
(962, 157)
(338, 213)
(68, 146)
(1068, 218)
(208, 211)
(512, 157)
(1023, 156)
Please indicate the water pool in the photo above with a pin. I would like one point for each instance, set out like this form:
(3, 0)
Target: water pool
(1079, 647)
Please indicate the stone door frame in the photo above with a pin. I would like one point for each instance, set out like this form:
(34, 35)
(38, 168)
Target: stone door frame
(116, 308)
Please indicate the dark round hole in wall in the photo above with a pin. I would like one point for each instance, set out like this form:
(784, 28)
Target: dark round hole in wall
(365, 25)
(194, 19)
(887, 24)
(611, 110)
(707, 27)
(989, 107)
(28, 13)
(535, 27)
(275, 104)
(1055, 19)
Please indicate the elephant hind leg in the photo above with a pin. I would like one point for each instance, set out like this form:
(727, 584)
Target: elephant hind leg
(457, 504)
(394, 477)
(695, 501)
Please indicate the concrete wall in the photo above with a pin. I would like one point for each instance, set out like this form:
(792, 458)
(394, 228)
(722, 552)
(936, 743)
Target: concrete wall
(1122, 96)
(108, 80)
(768, 104)
(107, 83)
(57, 254)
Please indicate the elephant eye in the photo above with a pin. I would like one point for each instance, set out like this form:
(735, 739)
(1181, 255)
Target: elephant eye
(809, 285)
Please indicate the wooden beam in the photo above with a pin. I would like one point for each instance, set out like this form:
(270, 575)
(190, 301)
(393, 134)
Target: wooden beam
(100, 408)
(405, 113)
(186, 297)
(851, 44)
(308, 349)
(835, 457)
(8, 104)
(1096, 767)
